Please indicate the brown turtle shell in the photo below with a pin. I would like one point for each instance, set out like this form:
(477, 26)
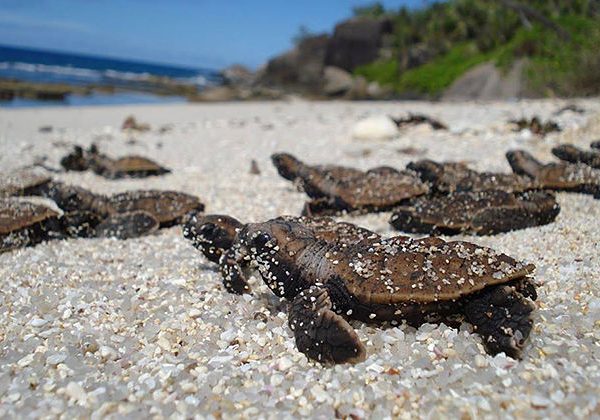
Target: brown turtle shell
(424, 270)
(166, 206)
(134, 163)
(20, 181)
(482, 212)
(17, 214)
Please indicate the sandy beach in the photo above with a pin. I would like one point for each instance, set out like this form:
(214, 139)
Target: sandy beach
(143, 327)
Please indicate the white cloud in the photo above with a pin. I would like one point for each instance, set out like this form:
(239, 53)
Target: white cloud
(12, 19)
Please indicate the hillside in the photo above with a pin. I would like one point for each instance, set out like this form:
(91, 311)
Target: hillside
(434, 46)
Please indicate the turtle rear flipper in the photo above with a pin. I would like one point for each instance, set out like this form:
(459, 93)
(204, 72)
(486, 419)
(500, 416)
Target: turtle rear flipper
(325, 206)
(320, 333)
(502, 316)
(127, 225)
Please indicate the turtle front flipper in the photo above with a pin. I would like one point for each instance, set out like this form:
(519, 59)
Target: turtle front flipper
(523, 163)
(570, 153)
(234, 278)
(127, 225)
(320, 333)
(502, 316)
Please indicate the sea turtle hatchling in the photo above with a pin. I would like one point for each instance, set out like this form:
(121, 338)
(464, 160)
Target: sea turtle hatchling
(573, 177)
(124, 215)
(481, 212)
(335, 189)
(124, 167)
(168, 208)
(25, 223)
(450, 177)
(573, 154)
(371, 279)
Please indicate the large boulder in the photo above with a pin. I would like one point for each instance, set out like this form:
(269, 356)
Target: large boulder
(237, 75)
(300, 69)
(356, 42)
(487, 82)
(337, 82)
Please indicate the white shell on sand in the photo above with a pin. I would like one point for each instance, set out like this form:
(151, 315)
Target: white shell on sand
(378, 127)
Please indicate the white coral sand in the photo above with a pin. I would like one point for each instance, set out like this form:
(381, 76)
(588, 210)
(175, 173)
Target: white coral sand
(139, 328)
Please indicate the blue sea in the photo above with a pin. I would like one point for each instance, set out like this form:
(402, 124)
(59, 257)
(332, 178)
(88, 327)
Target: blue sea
(132, 78)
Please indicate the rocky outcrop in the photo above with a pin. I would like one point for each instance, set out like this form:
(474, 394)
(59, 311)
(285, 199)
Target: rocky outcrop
(487, 82)
(336, 81)
(321, 66)
(298, 70)
(356, 42)
(237, 75)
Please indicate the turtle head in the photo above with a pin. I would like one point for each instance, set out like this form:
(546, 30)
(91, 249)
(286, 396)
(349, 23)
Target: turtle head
(287, 165)
(523, 163)
(76, 160)
(212, 234)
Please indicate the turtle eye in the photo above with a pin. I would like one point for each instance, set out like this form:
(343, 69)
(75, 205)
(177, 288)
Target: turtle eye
(261, 240)
(208, 230)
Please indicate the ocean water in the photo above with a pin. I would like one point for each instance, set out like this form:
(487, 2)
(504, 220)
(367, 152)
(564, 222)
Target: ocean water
(133, 78)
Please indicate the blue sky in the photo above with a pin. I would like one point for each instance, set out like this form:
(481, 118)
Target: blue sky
(198, 33)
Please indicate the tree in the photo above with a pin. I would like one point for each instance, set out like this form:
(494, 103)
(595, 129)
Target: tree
(373, 10)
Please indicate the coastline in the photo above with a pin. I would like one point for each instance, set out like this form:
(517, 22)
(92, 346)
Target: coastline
(171, 341)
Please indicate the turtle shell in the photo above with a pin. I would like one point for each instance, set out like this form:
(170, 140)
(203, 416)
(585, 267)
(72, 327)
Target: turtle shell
(133, 165)
(448, 177)
(483, 212)
(166, 206)
(402, 269)
(20, 181)
(18, 214)
(329, 230)
(379, 189)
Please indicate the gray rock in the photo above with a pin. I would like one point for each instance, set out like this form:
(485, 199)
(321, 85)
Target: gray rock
(298, 70)
(356, 42)
(336, 81)
(237, 75)
(487, 82)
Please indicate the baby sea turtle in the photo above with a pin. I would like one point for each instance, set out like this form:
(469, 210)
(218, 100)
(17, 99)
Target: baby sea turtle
(123, 215)
(574, 177)
(416, 119)
(168, 208)
(570, 153)
(536, 126)
(375, 280)
(449, 177)
(335, 189)
(125, 167)
(24, 223)
(480, 212)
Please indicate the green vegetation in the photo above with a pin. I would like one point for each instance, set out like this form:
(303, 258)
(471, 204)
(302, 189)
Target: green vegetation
(435, 45)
